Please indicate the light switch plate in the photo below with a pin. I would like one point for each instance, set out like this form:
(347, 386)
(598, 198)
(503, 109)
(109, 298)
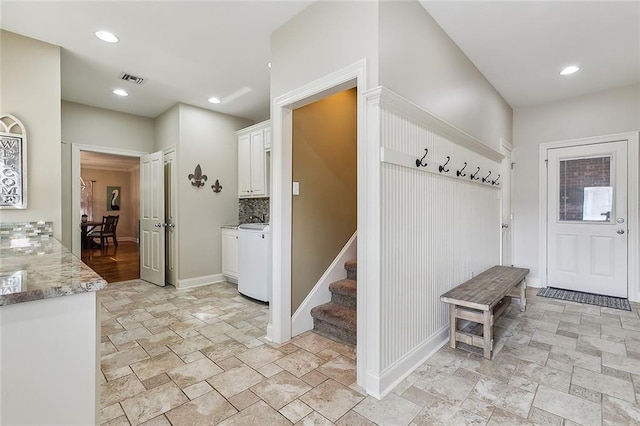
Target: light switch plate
(296, 188)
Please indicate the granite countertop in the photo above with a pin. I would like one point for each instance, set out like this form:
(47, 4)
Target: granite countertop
(35, 269)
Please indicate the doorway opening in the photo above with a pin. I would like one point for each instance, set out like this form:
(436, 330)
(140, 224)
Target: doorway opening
(110, 186)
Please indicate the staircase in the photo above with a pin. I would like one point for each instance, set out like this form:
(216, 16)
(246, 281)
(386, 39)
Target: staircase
(337, 319)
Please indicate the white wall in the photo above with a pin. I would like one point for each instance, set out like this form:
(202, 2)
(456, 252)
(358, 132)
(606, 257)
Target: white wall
(608, 112)
(420, 62)
(209, 139)
(323, 38)
(87, 125)
(30, 90)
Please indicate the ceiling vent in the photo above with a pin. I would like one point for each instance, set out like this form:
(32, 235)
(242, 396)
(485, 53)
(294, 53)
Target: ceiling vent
(131, 78)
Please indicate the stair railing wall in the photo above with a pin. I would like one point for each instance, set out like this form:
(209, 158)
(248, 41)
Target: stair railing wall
(437, 227)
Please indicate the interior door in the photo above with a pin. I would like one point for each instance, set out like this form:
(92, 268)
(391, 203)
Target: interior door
(170, 212)
(152, 224)
(587, 218)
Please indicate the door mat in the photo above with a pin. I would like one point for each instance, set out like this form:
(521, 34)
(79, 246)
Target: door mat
(588, 298)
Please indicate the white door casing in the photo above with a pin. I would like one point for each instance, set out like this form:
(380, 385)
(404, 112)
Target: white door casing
(587, 218)
(506, 244)
(171, 211)
(152, 223)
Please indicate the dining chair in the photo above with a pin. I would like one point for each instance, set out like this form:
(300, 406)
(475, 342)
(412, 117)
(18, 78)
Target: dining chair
(108, 229)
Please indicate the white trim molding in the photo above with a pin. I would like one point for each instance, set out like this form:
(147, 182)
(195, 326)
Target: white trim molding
(75, 185)
(633, 209)
(199, 281)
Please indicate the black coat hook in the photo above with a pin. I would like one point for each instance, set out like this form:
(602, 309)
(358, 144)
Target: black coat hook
(486, 178)
(459, 172)
(473, 176)
(419, 162)
(442, 168)
(495, 182)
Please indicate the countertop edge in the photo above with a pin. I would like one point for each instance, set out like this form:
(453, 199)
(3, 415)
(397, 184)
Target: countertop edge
(52, 292)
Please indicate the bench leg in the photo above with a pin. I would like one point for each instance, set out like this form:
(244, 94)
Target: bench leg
(452, 325)
(487, 334)
(523, 295)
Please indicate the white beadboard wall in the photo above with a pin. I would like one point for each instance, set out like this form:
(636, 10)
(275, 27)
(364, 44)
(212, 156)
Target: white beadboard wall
(435, 229)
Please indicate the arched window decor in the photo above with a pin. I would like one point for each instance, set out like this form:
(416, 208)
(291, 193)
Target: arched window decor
(13, 163)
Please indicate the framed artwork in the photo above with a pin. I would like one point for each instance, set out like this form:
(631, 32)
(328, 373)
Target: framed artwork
(113, 198)
(13, 163)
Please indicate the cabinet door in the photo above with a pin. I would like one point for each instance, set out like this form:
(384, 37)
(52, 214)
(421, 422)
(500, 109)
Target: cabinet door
(267, 138)
(230, 253)
(244, 166)
(258, 187)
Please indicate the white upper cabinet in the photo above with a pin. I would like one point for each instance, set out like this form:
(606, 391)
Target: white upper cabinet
(252, 167)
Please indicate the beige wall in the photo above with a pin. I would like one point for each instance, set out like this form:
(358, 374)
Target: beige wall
(167, 128)
(30, 90)
(602, 113)
(323, 38)
(324, 162)
(209, 139)
(128, 222)
(420, 62)
(87, 125)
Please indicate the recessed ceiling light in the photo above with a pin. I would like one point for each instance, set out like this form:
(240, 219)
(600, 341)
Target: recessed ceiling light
(214, 100)
(107, 36)
(120, 92)
(569, 70)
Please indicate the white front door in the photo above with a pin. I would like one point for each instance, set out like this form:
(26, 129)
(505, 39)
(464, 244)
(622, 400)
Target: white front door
(587, 218)
(152, 222)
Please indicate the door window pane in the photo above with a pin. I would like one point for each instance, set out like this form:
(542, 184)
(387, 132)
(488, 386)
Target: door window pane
(585, 189)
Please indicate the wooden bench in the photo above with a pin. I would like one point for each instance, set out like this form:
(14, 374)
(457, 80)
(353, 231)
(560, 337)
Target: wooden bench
(482, 300)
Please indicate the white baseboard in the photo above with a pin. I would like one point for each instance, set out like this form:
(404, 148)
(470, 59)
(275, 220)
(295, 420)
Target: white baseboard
(199, 281)
(380, 385)
(534, 282)
(301, 320)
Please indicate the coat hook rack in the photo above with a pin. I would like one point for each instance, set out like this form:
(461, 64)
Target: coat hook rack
(459, 172)
(216, 187)
(442, 168)
(486, 178)
(495, 182)
(197, 178)
(419, 162)
(473, 176)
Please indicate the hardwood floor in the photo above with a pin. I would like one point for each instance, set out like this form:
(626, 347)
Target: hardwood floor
(115, 264)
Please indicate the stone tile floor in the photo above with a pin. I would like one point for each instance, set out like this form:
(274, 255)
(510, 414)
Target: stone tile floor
(199, 357)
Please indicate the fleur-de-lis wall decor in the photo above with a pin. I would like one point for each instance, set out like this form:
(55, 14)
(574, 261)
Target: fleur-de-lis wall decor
(197, 178)
(216, 187)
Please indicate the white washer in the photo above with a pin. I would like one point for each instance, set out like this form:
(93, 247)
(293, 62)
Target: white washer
(254, 261)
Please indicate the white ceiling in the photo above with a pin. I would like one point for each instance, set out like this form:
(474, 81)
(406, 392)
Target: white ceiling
(520, 47)
(190, 51)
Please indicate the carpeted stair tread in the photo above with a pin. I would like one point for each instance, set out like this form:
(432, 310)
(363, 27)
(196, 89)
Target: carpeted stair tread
(352, 269)
(335, 314)
(344, 287)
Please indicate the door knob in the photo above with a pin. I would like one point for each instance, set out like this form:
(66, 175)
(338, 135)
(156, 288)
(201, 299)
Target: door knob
(620, 220)
(158, 225)
(620, 231)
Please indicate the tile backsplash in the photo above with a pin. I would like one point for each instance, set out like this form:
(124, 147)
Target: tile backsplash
(249, 208)
(29, 230)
